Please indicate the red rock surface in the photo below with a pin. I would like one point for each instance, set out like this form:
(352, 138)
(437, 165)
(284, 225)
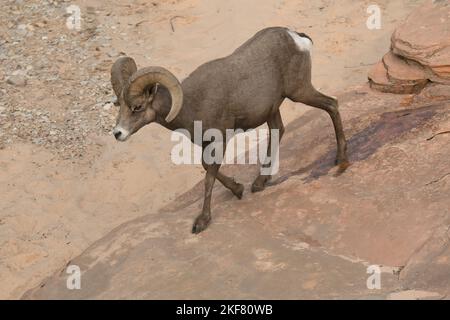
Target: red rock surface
(404, 71)
(395, 76)
(309, 234)
(436, 92)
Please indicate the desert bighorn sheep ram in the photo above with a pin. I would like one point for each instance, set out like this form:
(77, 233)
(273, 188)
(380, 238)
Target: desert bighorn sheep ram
(241, 91)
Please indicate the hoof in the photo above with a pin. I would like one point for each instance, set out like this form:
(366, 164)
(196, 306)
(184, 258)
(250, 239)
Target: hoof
(339, 161)
(201, 223)
(257, 187)
(260, 183)
(239, 191)
(341, 158)
(342, 167)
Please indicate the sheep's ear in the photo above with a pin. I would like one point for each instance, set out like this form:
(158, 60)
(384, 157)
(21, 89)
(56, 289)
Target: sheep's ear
(152, 93)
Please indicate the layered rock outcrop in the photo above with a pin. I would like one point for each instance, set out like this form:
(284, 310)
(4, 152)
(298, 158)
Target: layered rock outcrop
(419, 54)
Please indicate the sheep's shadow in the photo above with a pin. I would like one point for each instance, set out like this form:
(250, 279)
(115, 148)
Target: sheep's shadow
(389, 127)
(386, 129)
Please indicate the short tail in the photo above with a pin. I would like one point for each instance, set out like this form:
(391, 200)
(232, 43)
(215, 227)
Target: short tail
(304, 35)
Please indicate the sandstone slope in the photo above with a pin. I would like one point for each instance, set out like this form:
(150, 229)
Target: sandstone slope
(310, 234)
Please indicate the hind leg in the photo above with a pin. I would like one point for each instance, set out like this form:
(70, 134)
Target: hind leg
(274, 122)
(314, 98)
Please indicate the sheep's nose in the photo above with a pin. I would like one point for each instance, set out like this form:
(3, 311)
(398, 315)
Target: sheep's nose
(117, 134)
(121, 133)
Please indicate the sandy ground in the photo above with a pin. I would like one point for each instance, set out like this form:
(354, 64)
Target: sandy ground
(52, 208)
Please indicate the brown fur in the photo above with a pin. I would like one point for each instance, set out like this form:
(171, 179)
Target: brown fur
(241, 91)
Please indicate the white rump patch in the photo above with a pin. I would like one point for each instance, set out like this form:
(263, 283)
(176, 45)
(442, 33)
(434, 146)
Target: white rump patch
(303, 43)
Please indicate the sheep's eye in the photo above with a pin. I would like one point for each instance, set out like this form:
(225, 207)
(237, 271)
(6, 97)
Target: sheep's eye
(138, 108)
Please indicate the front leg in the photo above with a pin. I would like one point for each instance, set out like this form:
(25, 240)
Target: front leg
(203, 220)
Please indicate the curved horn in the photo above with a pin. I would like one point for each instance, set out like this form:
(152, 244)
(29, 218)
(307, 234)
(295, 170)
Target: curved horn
(150, 76)
(121, 71)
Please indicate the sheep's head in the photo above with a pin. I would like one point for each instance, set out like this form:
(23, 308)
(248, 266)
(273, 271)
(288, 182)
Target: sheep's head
(136, 91)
